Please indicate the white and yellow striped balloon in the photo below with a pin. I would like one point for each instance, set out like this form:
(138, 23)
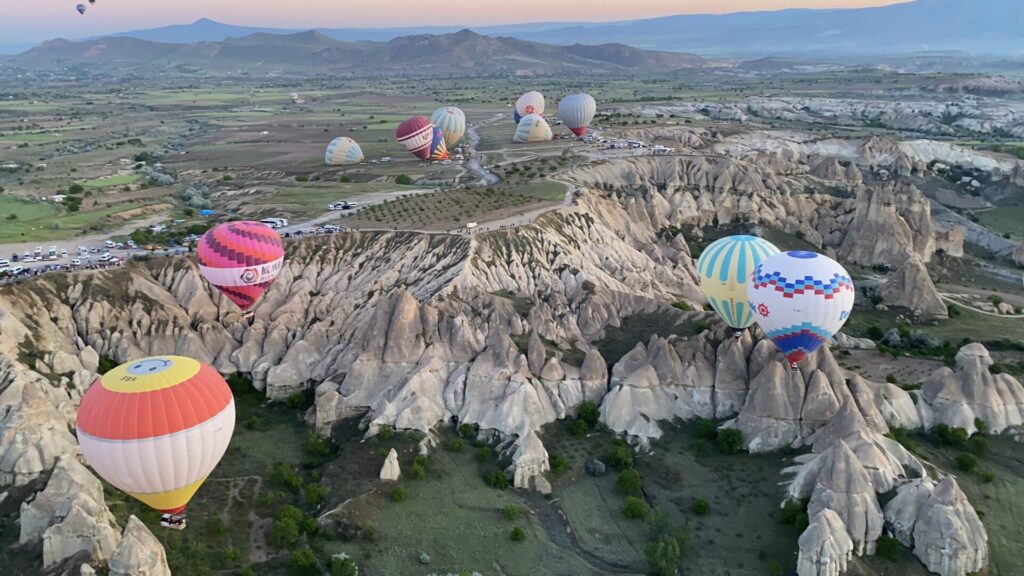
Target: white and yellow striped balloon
(533, 128)
(725, 268)
(342, 151)
(452, 122)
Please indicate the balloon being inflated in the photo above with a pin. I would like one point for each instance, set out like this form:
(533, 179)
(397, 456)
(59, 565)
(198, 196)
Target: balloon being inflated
(800, 299)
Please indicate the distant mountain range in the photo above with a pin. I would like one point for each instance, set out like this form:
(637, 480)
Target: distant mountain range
(970, 26)
(459, 52)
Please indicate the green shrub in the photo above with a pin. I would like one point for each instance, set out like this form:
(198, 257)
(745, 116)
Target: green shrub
(483, 454)
(286, 528)
(417, 472)
(517, 534)
(558, 464)
(794, 513)
(286, 477)
(634, 508)
(684, 306)
(875, 333)
(589, 413)
(987, 477)
(385, 433)
(663, 556)
(303, 561)
(978, 444)
(317, 445)
(399, 494)
(510, 512)
(456, 445)
(403, 180)
(966, 462)
(944, 435)
(902, 435)
(620, 458)
(467, 430)
(343, 566)
(700, 327)
(888, 548)
(578, 427)
(981, 425)
(700, 507)
(705, 429)
(730, 441)
(630, 483)
(345, 178)
(497, 480)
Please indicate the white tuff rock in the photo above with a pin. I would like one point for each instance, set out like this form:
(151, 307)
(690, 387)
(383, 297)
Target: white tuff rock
(391, 471)
(825, 547)
(139, 554)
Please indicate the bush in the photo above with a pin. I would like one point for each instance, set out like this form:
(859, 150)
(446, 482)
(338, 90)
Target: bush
(403, 180)
(467, 430)
(317, 445)
(794, 513)
(297, 401)
(705, 429)
(981, 425)
(730, 441)
(417, 472)
(875, 333)
(578, 427)
(385, 433)
(76, 189)
(302, 178)
(287, 527)
(304, 561)
(558, 464)
(888, 548)
(634, 508)
(663, 556)
(987, 477)
(966, 462)
(902, 435)
(978, 444)
(343, 566)
(517, 534)
(483, 454)
(700, 327)
(286, 476)
(944, 435)
(315, 494)
(700, 507)
(620, 458)
(456, 445)
(630, 483)
(510, 512)
(588, 413)
(497, 480)
(399, 494)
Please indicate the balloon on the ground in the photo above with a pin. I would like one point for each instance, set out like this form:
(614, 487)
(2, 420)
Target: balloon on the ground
(529, 103)
(577, 112)
(451, 121)
(81, 8)
(156, 428)
(241, 259)
(800, 299)
(342, 151)
(418, 136)
(438, 148)
(533, 128)
(725, 268)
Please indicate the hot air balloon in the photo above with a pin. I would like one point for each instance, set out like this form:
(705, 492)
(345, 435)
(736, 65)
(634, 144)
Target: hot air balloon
(577, 112)
(418, 136)
(92, 1)
(81, 8)
(156, 428)
(241, 259)
(438, 148)
(343, 150)
(529, 103)
(533, 128)
(725, 268)
(451, 121)
(800, 299)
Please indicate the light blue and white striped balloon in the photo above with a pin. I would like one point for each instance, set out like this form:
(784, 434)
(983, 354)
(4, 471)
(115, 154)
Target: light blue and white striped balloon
(725, 268)
(342, 151)
(452, 122)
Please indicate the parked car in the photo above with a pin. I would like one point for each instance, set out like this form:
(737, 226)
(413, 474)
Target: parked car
(76, 262)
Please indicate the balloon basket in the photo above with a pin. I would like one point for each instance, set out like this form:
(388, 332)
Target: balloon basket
(794, 367)
(173, 521)
(737, 334)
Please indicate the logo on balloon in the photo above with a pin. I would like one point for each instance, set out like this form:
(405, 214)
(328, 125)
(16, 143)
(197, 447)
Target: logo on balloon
(250, 275)
(529, 109)
(762, 309)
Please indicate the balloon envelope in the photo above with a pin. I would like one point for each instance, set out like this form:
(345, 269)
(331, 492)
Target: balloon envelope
(451, 121)
(156, 428)
(800, 299)
(529, 103)
(438, 148)
(577, 112)
(725, 268)
(342, 151)
(241, 259)
(417, 136)
(80, 8)
(533, 128)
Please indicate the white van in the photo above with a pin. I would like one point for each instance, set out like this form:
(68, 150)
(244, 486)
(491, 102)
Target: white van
(274, 222)
(110, 244)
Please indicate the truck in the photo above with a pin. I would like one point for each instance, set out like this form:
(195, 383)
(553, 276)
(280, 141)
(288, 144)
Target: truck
(51, 253)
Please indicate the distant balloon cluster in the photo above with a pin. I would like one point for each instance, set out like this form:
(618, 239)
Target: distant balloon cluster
(82, 7)
(800, 299)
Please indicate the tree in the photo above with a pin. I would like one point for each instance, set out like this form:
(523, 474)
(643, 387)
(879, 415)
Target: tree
(343, 566)
(578, 427)
(634, 508)
(630, 483)
(730, 441)
(705, 429)
(315, 493)
(76, 189)
(620, 458)
(663, 556)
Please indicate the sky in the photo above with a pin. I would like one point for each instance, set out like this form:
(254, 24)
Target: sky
(32, 20)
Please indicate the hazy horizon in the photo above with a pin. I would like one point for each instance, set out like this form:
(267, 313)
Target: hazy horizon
(37, 21)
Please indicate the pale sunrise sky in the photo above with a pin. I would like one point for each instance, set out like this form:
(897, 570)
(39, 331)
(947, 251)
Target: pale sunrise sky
(30, 20)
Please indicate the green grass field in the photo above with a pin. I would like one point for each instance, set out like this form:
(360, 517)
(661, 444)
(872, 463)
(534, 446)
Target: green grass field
(39, 221)
(1006, 218)
(106, 181)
